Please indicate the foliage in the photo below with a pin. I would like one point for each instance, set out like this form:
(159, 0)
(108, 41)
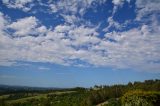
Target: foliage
(113, 102)
(133, 94)
(141, 98)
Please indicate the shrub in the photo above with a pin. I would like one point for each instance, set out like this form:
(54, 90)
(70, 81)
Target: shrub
(141, 98)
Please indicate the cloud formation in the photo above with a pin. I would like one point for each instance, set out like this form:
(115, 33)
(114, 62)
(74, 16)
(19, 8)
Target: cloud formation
(73, 6)
(20, 4)
(24, 27)
(27, 39)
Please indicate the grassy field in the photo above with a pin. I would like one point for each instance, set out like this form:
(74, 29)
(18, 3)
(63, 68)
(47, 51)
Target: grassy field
(4, 96)
(37, 97)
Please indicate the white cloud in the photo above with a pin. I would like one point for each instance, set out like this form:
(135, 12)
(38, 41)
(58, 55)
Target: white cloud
(2, 21)
(148, 7)
(134, 48)
(55, 47)
(71, 44)
(24, 26)
(117, 2)
(73, 6)
(71, 19)
(42, 29)
(53, 8)
(112, 24)
(43, 68)
(20, 4)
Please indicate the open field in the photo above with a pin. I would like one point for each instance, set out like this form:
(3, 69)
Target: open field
(37, 97)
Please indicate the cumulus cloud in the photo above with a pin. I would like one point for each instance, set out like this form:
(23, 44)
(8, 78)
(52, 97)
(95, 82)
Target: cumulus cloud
(134, 48)
(149, 7)
(20, 4)
(54, 47)
(73, 6)
(68, 44)
(80, 45)
(24, 26)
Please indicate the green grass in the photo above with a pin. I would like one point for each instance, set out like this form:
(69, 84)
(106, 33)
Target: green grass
(4, 96)
(37, 97)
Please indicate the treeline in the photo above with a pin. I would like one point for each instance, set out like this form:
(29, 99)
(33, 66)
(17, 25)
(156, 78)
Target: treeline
(145, 93)
(4, 89)
(100, 94)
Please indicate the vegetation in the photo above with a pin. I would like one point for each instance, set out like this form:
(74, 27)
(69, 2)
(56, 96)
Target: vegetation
(133, 94)
(141, 98)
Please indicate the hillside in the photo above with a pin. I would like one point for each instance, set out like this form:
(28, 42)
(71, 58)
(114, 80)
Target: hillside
(145, 93)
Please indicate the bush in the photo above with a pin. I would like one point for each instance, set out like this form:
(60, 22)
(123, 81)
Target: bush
(141, 98)
(113, 102)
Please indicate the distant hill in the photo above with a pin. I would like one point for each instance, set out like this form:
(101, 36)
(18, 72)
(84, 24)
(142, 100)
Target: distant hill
(13, 88)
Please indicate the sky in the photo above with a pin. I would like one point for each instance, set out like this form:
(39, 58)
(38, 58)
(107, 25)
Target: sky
(70, 43)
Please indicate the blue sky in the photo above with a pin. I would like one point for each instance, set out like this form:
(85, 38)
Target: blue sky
(69, 43)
